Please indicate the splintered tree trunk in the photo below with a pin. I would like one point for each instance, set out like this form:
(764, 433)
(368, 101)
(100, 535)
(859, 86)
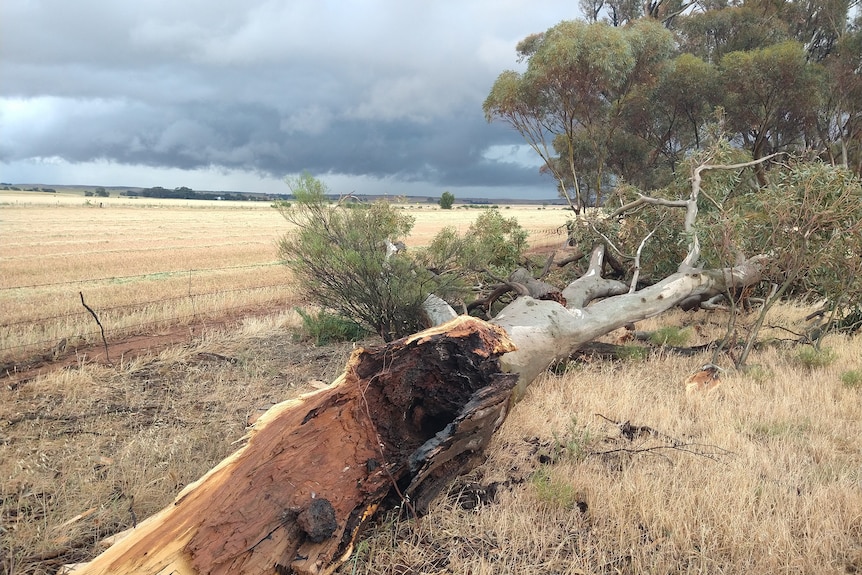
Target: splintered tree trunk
(402, 419)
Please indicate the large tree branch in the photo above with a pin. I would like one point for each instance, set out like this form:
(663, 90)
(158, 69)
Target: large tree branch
(545, 332)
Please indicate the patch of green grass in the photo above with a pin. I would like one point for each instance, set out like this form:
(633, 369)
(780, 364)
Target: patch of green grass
(852, 379)
(552, 491)
(324, 328)
(758, 373)
(670, 335)
(812, 358)
(573, 444)
(781, 428)
(633, 352)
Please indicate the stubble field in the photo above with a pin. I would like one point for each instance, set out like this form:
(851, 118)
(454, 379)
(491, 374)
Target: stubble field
(761, 475)
(146, 267)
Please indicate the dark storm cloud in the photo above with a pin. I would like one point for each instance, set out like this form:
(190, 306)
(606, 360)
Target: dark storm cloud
(382, 89)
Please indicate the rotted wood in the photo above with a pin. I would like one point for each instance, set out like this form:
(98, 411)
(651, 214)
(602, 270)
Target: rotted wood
(402, 419)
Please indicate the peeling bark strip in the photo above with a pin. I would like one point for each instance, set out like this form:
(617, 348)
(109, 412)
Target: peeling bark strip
(405, 417)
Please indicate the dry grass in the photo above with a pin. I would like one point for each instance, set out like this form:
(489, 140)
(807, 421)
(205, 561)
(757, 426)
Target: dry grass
(118, 444)
(761, 475)
(140, 268)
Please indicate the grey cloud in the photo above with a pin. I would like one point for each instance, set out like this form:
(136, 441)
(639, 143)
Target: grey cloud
(393, 91)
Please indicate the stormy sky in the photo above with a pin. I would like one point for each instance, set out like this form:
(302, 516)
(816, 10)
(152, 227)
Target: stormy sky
(372, 96)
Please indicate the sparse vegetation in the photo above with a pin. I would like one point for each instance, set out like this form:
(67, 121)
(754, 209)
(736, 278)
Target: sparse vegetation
(852, 379)
(814, 358)
(552, 490)
(670, 335)
(633, 352)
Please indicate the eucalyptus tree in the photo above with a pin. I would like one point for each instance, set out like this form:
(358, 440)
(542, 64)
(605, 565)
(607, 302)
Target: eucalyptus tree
(840, 120)
(771, 97)
(570, 102)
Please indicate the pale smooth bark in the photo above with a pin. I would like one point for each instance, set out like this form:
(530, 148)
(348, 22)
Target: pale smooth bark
(546, 332)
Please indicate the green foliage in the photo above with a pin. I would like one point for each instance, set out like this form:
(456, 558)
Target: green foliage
(446, 200)
(339, 257)
(492, 242)
(574, 444)
(622, 97)
(495, 241)
(852, 379)
(814, 358)
(713, 33)
(769, 93)
(809, 218)
(567, 104)
(325, 327)
(670, 335)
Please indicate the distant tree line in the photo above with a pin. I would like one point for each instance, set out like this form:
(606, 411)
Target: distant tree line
(186, 193)
(10, 187)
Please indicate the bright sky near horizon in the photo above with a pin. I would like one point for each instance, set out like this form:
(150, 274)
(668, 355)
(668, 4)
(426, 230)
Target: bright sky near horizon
(372, 96)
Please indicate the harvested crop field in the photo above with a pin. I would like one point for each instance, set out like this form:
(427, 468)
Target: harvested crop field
(148, 267)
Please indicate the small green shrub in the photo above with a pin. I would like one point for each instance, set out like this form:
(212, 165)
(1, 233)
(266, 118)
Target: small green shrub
(340, 257)
(812, 358)
(574, 444)
(324, 328)
(852, 379)
(669, 335)
(758, 373)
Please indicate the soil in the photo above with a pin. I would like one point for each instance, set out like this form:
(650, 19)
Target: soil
(17, 373)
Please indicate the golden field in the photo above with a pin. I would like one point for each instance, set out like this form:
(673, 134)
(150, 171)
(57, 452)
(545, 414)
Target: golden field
(763, 474)
(144, 265)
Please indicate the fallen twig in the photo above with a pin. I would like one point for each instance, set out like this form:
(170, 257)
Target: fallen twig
(631, 432)
(95, 317)
(692, 448)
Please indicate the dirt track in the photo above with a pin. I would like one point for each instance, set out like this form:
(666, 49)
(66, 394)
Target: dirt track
(16, 374)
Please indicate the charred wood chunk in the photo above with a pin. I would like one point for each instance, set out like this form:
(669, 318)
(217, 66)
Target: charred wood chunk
(318, 520)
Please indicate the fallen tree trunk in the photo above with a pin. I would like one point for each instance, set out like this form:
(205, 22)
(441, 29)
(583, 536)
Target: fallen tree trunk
(403, 419)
